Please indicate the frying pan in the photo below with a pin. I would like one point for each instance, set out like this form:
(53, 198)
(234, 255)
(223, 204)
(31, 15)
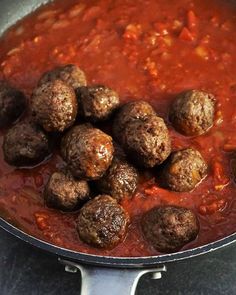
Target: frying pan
(101, 275)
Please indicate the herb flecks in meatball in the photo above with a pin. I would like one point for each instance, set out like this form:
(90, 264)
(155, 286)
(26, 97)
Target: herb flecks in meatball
(120, 181)
(12, 104)
(169, 228)
(183, 170)
(102, 222)
(192, 113)
(64, 192)
(147, 141)
(54, 106)
(97, 103)
(130, 112)
(70, 74)
(26, 144)
(87, 151)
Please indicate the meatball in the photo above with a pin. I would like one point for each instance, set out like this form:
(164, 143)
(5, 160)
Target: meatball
(97, 103)
(70, 74)
(12, 104)
(128, 113)
(147, 141)
(169, 228)
(120, 180)
(183, 170)
(102, 222)
(64, 192)
(192, 113)
(25, 144)
(54, 106)
(87, 151)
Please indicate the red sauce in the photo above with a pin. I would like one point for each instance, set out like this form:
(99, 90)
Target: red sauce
(148, 50)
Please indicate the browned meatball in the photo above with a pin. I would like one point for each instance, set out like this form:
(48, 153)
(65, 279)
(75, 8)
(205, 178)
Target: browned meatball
(54, 106)
(12, 104)
(147, 141)
(97, 103)
(128, 113)
(87, 151)
(64, 192)
(192, 113)
(25, 144)
(183, 170)
(169, 228)
(120, 180)
(102, 222)
(70, 74)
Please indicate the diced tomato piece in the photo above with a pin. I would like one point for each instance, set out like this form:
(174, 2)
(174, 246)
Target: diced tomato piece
(154, 190)
(211, 205)
(186, 35)
(229, 147)
(41, 220)
(92, 13)
(219, 174)
(192, 20)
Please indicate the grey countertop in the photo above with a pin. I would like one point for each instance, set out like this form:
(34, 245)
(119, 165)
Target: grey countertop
(25, 270)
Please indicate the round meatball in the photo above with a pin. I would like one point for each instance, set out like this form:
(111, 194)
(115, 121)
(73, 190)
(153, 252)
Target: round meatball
(147, 141)
(128, 113)
(183, 170)
(12, 104)
(192, 113)
(70, 74)
(169, 228)
(102, 222)
(87, 151)
(64, 192)
(120, 180)
(97, 103)
(54, 106)
(25, 144)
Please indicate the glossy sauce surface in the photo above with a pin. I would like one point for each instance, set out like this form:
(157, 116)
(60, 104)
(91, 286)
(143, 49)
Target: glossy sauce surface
(149, 50)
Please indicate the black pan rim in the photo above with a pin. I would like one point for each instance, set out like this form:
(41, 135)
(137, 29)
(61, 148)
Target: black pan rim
(119, 262)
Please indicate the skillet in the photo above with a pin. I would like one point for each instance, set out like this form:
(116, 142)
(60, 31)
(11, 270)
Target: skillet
(100, 274)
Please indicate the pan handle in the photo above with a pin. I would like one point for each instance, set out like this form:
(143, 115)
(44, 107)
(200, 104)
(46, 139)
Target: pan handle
(105, 281)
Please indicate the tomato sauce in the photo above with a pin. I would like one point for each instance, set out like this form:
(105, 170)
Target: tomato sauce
(147, 49)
